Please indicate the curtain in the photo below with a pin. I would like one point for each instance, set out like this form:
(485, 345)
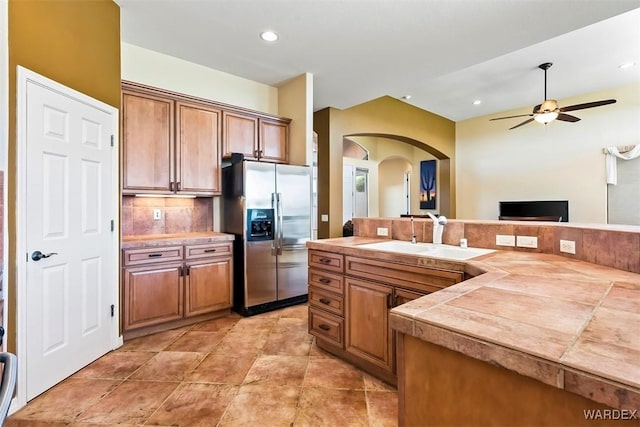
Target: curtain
(628, 152)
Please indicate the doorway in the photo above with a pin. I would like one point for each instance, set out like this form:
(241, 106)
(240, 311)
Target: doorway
(67, 222)
(355, 191)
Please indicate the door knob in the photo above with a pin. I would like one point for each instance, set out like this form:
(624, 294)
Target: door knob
(37, 255)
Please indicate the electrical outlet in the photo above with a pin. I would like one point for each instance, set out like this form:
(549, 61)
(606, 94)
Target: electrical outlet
(324, 218)
(157, 214)
(383, 231)
(505, 240)
(568, 246)
(527, 241)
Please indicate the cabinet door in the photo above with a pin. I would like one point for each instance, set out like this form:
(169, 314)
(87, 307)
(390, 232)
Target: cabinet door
(152, 294)
(197, 150)
(147, 143)
(208, 286)
(367, 322)
(274, 141)
(240, 135)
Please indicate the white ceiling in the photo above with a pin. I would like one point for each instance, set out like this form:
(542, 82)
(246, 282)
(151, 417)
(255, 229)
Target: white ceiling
(445, 53)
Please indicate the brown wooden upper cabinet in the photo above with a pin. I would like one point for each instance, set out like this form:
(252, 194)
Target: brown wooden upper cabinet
(148, 142)
(169, 146)
(256, 138)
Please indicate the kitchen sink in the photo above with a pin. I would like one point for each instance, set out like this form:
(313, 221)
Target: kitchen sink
(399, 246)
(428, 249)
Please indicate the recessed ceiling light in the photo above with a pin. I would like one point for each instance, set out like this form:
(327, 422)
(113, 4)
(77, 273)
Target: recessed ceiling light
(406, 97)
(477, 102)
(626, 65)
(269, 36)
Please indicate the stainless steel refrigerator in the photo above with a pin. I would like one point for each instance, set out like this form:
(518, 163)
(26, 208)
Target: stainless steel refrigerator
(268, 207)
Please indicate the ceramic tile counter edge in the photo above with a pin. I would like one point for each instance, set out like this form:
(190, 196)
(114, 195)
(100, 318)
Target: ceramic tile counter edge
(146, 241)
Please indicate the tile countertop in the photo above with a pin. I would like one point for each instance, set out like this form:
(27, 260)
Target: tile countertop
(152, 240)
(566, 323)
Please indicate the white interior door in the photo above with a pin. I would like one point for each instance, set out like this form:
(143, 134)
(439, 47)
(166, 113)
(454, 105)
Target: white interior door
(68, 184)
(348, 184)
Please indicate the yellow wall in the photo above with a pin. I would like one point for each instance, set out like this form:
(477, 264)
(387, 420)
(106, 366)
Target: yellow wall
(76, 43)
(383, 115)
(295, 100)
(562, 161)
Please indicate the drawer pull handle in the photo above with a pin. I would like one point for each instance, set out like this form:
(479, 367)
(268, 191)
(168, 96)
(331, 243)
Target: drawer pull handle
(324, 327)
(324, 280)
(325, 260)
(154, 255)
(325, 301)
(209, 250)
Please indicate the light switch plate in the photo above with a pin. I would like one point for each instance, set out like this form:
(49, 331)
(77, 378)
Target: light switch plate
(324, 218)
(505, 240)
(383, 231)
(527, 241)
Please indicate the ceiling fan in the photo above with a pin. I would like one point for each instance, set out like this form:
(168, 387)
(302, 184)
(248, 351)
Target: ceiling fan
(549, 111)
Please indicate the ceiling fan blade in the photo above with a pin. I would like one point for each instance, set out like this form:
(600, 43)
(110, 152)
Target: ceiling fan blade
(567, 118)
(522, 124)
(588, 105)
(512, 117)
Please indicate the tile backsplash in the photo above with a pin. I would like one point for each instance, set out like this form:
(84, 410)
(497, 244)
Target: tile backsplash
(178, 215)
(611, 246)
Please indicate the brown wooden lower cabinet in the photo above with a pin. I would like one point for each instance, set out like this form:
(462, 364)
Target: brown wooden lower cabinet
(201, 295)
(158, 293)
(349, 303)
(159, 284)
(367, 322)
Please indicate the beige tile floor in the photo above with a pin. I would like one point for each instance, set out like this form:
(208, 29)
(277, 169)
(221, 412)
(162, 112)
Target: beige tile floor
(263, 370)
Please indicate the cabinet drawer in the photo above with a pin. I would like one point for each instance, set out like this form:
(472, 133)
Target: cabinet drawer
(421, 279)
(208, 250)
(326, 261)
(326, 281)
(326, 301)
(326, 326)
(151, 255)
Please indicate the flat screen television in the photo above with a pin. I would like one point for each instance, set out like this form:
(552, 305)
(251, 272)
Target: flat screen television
(544, 210)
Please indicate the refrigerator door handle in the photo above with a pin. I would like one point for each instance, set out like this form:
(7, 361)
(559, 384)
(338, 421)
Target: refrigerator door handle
(274, 243)
(280, 223)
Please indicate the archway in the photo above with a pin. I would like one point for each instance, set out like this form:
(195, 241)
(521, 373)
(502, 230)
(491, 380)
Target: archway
(387, 118)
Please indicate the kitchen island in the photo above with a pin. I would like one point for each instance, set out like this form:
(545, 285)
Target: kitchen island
(527, 338)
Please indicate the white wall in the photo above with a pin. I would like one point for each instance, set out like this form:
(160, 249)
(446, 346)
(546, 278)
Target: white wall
(156, 69)
(561, 161)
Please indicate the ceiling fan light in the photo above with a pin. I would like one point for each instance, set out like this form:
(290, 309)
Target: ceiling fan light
(546, 118)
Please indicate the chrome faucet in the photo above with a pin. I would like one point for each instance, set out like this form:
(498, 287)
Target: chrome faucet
(413, 233)
(438, 227)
